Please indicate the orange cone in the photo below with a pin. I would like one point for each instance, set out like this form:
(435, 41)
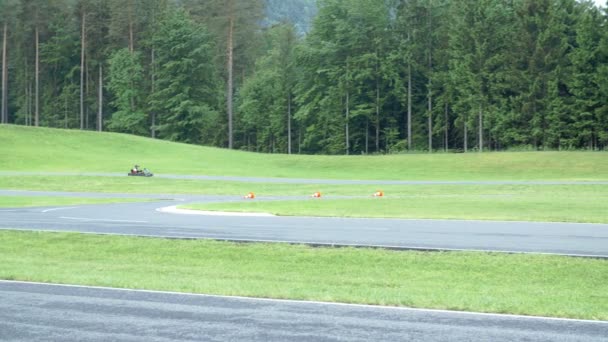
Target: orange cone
(250, 195)
(316, 195)
(378, 193)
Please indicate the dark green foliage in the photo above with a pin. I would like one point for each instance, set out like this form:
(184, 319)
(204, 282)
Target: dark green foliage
(266, 98)
(125, 79)
(187, 87)
(369, 76)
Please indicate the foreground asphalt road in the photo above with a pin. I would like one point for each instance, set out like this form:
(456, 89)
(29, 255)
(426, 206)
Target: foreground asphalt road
(39, 312)
(144, 219)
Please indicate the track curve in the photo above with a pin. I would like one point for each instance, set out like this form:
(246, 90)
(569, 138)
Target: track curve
(144, 219)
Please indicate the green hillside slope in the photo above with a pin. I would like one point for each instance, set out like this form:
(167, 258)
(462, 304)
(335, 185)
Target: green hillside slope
(56, 150)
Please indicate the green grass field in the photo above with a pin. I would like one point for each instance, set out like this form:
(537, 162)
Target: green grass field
(557, 203)
(519, 284)
(45, 149)
(76, 151)
(502, 283)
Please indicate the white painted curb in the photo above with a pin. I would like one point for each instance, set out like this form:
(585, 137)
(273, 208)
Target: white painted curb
(174, 210)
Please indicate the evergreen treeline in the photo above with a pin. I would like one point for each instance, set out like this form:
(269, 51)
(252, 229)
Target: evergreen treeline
(371, 76)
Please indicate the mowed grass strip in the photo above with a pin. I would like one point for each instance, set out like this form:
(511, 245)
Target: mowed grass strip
(47, 149)
(156, 185)
(500, 283)
(569, 203)
(42, 201)
(145, 185)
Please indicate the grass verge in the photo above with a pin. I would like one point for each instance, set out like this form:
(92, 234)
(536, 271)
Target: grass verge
(46, 149)
(500, 283)
(568, 203)
(42, 201)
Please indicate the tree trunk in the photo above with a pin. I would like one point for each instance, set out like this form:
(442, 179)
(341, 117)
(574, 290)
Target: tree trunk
(153, 83)
(131, 43)
(445, 133)
(430, 123)
(36, 102)
(289, 123)
(534, 137)
(82, 56)
(28, 115)
(377, 116)
(30, 104)
(229, 90)
(346, 126)
(87, 79)
(131, 49)
(4, 76)
(65, 111)
(409, 106)
(299, 139)
(430, 91)
(480, 128)
(100, 100)
(367, 136)
(465, 135)
(26, 93)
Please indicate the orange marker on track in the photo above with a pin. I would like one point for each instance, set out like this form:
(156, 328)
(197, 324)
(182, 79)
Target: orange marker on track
(250, 195)
(316, 195)
(378, 193)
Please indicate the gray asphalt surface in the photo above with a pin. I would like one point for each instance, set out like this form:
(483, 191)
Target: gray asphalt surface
(143, 219)
(62, 313)
(39, 312)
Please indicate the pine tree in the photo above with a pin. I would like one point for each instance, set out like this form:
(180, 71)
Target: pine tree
(409, 30)
(543, 34)
(125, 77)
(479, 44)
(266, 97)
(186, 90)
(601, 82)
(582, 83)
(234, 23)
(8, 11)
(59, 54)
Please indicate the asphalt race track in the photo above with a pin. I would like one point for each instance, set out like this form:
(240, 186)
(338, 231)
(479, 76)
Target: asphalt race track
(146, 220)
(307, 180)
(70, 313)
(42, 312)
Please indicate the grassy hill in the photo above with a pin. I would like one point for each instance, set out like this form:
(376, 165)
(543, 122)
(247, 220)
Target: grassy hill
(57, 150)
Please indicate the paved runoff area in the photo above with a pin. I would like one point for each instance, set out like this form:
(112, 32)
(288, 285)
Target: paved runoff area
(46, 312)
(158, 219)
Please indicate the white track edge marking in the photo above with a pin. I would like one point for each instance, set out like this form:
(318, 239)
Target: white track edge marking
(100, 220)
(399, 308)
(174, 210)
(53, 209)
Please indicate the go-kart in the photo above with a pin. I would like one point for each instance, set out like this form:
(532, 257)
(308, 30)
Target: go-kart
(140, 173)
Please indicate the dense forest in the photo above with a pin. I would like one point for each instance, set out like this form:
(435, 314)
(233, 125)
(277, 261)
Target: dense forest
(363, 76)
